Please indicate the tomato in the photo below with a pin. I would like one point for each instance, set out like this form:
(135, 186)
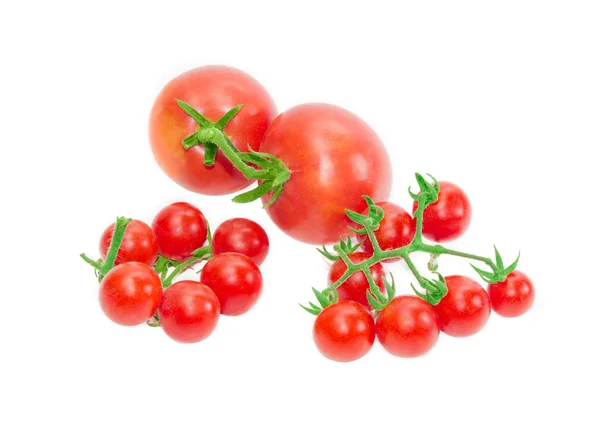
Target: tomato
(407, 327)
(180, 229)
(335, 158)
(355, 288)
(512, 297)
(139, 243)
(397, 229)
(465, 309)
(344, 331)
(188, 311)
(130, 293)
(212, 90)
(236, 281)
(243, 236)
(448, 217)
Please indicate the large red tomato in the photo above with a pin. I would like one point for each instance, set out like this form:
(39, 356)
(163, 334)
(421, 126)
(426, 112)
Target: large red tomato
(335, 158)
(212, 91)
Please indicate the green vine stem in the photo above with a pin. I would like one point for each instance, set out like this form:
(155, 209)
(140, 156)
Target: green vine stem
(272, 172)
(103, 267)
(434, 289)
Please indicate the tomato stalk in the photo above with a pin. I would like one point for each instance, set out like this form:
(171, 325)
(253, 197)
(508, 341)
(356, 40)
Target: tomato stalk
(434, 289)
(103, 267)
(271, 172)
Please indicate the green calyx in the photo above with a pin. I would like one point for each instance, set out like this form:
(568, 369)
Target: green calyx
(434, 289)
(271, 172)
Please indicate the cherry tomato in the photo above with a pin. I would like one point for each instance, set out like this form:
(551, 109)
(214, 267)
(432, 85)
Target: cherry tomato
(512, 297)
(236, 281)
(335, 158)
(130, 293)
(139, 243)
(449, 216)
(407, 327)
(188, 311)
(243, 236)
(344, 331)
(180, 229)
(465, 309)
(397, 229)
(355, 288)
(212, 90)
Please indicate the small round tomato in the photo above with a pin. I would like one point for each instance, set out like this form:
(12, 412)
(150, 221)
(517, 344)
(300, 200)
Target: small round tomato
(465, 309)
(335, 158)
(344, 331)
(139, 243)
(212, 91)
(180, 229)
(448, 217)
(235, 280)
(355, 288)
(243, 236)
(396, 229)
(512, 297)
(188, 311)
(407, 327)
(130, 293)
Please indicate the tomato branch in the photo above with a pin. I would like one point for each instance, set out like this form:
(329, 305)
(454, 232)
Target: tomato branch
(271, 171)
(435, 289)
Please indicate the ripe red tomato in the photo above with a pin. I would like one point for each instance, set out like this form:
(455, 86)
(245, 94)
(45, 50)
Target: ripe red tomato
(335, 158)
(465, 309)
(407, 327)
(188, 311)
(212, 90)
(397, 229)
(344, 331)
(449, 217)
(243, 236)
(139, 243)
(355, 288)
(180, 229)
(236, 281)
(130, 293)
(512, 297)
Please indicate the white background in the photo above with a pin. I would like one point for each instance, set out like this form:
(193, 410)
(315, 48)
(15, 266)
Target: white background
(502, 98)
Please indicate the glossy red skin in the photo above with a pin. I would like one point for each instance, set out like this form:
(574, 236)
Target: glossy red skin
(397, 229)
(465, 309)
(180, 229)
(407, 327)
(130, 293)
(355, 287)
(212, 90)
(344, 331)
(235, 280)
(448, 217)
(335, 159)
(139, 243)
(514, 296)
(188, 311)
(243, 236)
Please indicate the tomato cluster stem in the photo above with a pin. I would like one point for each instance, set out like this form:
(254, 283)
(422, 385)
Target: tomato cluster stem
(271, 171)
(435, 289)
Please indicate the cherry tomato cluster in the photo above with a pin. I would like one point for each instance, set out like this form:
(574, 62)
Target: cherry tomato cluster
(139, 263)
(365, 305)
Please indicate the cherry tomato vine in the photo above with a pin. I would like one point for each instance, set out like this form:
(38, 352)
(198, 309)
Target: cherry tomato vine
(434, 289)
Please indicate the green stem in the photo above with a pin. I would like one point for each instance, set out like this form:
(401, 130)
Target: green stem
(199, 255)
(217, 137)
(113, 250)
(435, 289)
(413, 269)
(440, 250)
